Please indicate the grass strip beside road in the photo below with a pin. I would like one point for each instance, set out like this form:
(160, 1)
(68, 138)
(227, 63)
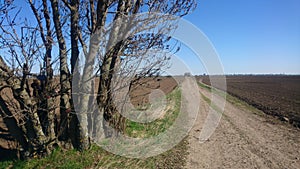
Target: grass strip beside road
(96, 157)
(231, 99)
(145, 130)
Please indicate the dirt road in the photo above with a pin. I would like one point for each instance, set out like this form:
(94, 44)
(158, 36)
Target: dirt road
(243, 139)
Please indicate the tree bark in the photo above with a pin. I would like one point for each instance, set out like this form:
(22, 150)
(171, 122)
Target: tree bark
(65, 86)
(86, 80)
(78, 129)
(112, 118)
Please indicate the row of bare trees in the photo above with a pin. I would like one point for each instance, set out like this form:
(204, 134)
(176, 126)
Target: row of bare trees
(77, 39)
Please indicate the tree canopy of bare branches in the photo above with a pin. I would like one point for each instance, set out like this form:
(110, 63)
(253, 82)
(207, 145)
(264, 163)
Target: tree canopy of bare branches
(60, 46)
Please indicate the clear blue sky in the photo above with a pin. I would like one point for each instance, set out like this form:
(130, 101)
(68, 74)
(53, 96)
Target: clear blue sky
(251, 36)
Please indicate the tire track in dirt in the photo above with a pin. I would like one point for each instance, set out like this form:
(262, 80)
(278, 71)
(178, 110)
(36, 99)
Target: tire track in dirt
(243, 139)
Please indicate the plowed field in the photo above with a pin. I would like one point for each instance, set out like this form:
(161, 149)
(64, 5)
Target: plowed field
(276, 95)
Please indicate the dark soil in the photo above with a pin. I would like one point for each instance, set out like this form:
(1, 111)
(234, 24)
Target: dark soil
(143, 88)
(276, 95)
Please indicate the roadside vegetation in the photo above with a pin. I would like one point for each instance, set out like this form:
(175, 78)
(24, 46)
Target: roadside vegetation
(274, 95)
(237, 102)
(96, 157)
(231, 99)
(48, 65)
(145, 130)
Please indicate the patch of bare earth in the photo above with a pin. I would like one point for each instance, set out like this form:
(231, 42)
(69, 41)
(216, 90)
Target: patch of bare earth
(243, 139)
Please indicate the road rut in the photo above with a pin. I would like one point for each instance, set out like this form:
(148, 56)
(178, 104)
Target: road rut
(243, 139)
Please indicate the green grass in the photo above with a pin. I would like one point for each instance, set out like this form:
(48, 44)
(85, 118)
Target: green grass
(145, 130)
(96, 157)
(92, 158)
(212, 105)
(231, 99)
(243, 104)
(204, 86)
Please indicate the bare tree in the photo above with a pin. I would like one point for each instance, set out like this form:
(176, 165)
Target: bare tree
(28, 97)
(118, 40)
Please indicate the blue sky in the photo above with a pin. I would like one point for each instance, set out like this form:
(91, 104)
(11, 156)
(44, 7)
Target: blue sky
(250, 36)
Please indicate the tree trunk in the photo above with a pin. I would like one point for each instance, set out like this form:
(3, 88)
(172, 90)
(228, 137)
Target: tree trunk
(78, 141)
(86, 80)
(112, 118)
(65, 86)
(50, 107)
